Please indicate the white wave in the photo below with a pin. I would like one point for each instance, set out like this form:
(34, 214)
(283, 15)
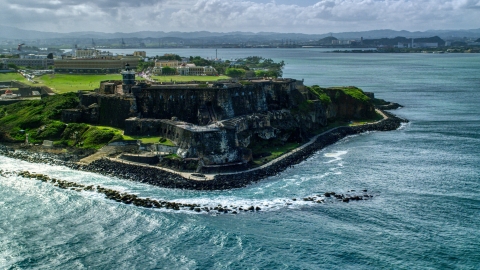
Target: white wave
(403, 126)
(336, 156)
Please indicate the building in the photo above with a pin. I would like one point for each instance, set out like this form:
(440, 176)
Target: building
(159, 64)
(9, 95)
(166, 63)
(95, 65)
(186, 69)
(192, 70)
(86, 53)
(142, 54)
(34, 63)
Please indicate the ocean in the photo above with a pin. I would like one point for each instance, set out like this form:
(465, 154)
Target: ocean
(425, 178)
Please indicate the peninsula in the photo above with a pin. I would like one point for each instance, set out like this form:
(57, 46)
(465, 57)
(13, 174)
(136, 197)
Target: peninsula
(197, 135)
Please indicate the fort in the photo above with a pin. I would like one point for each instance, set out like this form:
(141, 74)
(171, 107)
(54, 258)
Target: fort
(14, 91)
(216, 125)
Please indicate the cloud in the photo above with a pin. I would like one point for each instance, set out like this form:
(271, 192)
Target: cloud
(308, 16)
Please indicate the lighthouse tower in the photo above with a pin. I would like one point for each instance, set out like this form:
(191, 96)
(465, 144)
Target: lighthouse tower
(128, 79)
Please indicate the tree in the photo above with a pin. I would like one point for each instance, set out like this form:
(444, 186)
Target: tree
(169, 57)
(12, 66)
(142, 65)
(50, 56)
(199, 61)
(235, 72)
(169, 71)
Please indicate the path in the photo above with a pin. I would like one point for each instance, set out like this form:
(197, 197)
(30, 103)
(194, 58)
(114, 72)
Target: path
(102, 153)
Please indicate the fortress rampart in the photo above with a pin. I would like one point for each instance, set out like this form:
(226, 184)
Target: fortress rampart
(214, 122)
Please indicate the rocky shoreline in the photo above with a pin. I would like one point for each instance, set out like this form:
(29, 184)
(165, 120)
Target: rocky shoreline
(127, 198)
(158, 177)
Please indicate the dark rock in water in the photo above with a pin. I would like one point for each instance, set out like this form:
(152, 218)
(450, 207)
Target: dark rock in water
(258, 208)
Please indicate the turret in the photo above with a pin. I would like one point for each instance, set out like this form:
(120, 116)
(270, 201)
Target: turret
(128, 76)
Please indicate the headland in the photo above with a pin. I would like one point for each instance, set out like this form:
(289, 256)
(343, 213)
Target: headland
(209, 136)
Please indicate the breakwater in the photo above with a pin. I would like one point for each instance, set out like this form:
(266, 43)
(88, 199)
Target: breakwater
(128, 198)
(159, 177)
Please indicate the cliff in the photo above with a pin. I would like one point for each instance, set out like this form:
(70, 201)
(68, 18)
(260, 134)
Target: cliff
(217, 124)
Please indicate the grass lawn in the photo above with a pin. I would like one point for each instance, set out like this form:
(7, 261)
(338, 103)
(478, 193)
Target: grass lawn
(4, 77)
(63, 83)
(178, 78)
(143, 139)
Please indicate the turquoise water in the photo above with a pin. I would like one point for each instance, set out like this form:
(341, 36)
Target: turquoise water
(425, 178)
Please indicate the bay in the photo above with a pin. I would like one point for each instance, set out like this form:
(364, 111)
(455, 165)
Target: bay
(425, 178)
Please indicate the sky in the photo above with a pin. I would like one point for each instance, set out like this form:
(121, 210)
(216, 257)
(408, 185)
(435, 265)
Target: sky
(301, 16)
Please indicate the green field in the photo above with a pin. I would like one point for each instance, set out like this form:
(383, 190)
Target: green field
(143, 139)
(178, 78)
(64, 83)
(4, 77)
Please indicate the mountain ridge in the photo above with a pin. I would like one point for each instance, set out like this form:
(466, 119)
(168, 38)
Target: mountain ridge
(9, 32)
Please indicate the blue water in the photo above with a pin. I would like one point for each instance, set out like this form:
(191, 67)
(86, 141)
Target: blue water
(425, 178)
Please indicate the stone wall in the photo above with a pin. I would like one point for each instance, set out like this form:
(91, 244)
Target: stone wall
(146, 159)
(112, 109)
(200, 105)
(71, 116)
(213, 145)
(163, 178)
(26, 90)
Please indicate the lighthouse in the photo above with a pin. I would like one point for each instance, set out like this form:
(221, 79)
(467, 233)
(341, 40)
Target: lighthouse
(128, 76)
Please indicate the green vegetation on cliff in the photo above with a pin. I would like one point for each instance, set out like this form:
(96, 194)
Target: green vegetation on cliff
(35, 113)
(40, 119)
(353, 92)
(320, 94)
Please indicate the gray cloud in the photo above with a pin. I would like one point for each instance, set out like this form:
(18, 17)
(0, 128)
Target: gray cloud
(307, 16)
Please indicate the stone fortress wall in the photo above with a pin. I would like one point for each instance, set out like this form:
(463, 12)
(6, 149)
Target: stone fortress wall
(216, 122)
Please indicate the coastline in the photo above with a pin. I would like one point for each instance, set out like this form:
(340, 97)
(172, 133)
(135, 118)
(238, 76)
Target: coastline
(171, 179)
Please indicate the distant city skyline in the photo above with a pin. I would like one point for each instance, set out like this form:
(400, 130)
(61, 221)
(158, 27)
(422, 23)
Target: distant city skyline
(301, 16)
